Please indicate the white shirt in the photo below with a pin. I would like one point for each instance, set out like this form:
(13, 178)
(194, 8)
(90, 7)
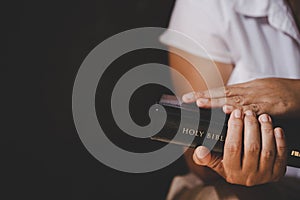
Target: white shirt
(259, 37)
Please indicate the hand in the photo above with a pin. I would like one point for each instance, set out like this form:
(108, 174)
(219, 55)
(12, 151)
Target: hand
(275, 96)
(254, 152)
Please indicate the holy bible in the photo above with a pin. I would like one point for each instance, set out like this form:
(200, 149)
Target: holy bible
(188, 125)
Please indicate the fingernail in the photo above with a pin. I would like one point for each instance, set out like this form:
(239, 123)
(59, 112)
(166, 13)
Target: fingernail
(264, 118)
(237, 113)
(249, 113)
(202, 101)
(227, 108)
(201, 152)
(278, 133)
(188, 97)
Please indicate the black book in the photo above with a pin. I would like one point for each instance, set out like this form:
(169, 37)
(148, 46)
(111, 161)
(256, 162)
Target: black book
(188, 125)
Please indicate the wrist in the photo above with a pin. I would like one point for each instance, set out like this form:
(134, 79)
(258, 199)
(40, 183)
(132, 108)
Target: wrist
(294, 87)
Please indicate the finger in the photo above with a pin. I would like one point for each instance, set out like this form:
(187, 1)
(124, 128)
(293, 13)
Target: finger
(229, 108)
(233, 142)
(255, 108)
(209, 103)
(258, 109)
(281, 155)
(220, 92)
(190, 97)
(202, 156)
(236, 101)
(251, 143)
(213, 93)
(267, 155)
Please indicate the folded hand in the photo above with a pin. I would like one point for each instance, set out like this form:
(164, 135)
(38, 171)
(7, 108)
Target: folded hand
(254, 152)
(275, 96)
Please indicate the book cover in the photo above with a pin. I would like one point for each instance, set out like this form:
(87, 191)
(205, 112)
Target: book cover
(190, 126)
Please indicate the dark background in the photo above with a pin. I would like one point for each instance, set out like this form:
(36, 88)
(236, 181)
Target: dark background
(46, 43)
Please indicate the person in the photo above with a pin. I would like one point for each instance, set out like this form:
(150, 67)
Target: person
(255, 46)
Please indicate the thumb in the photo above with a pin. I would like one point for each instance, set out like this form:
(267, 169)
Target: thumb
(202, 156)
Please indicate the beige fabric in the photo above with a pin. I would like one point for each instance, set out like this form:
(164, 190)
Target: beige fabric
(287, 188)
(182, 183)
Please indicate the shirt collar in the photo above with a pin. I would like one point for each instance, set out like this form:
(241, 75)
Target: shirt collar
(278, 13)
(252, 8)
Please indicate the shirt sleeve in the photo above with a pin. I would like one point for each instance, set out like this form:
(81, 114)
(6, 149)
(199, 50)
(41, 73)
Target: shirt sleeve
(201, 24)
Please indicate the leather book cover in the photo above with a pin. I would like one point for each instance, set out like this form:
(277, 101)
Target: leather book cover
(190, 126)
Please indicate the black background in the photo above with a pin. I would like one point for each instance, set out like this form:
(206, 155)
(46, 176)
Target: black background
(46, 42)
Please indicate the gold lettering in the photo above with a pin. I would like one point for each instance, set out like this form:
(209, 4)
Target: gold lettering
(222, 138)
(201, 133)
(185, 130)
(208, 135)
(295, 153)
(192, 132)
